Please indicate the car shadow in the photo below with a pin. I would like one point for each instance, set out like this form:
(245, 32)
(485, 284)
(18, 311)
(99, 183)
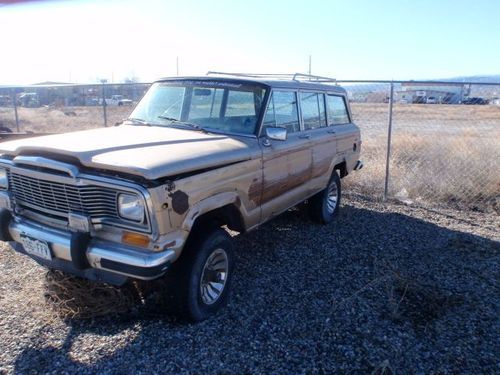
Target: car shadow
(307, 288)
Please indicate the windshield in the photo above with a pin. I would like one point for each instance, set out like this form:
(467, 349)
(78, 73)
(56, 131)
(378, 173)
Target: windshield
(211, 105)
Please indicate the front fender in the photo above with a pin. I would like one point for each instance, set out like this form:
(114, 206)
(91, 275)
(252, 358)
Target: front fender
(208, 204)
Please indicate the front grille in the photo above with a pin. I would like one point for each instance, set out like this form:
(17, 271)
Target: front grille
(61, 199)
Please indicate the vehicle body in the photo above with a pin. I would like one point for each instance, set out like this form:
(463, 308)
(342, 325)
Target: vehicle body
(198, 153)
(475, 100)
(5, 101)
(431, 100)
(118, 100)
(29, 100)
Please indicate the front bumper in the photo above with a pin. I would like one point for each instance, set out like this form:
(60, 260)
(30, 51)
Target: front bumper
(79, 254)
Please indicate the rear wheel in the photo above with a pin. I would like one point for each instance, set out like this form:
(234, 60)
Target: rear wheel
(202, 276)
(324, 206)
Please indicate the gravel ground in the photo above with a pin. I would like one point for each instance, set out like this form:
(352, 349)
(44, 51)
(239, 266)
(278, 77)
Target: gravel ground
(386, 287)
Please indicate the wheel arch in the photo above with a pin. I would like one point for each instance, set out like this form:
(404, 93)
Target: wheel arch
(216, 211)
(342, 168)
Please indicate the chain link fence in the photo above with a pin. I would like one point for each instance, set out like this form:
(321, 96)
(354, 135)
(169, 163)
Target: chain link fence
(445, 142)
(444, 147)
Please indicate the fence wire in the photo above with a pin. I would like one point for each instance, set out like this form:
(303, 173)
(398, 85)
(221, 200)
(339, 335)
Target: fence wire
(444, 149)
(445, 145)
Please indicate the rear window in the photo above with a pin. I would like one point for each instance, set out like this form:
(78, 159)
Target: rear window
(337, 110)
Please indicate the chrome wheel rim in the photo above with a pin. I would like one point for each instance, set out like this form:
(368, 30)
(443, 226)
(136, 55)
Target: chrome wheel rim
(332, 197)
(214, 276)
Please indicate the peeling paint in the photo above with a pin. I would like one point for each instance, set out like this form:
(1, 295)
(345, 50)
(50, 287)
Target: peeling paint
(180, 202)
(273, 189)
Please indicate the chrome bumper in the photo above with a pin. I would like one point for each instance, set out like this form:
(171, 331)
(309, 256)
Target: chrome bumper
(92, 258)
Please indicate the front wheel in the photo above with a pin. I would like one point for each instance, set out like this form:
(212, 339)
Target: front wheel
(203, 275)
(324, 206)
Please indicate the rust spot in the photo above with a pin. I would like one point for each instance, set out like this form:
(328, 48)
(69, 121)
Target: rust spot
(255, 192)
(169, 185)
(180, 202)
(273, 189)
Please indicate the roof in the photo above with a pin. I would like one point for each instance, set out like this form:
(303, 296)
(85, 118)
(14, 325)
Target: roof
(271, 81)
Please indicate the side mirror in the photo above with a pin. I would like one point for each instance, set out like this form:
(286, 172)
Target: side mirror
(276, 134)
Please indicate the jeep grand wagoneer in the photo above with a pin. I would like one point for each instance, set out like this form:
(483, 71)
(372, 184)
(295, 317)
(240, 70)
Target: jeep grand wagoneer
(154, 194)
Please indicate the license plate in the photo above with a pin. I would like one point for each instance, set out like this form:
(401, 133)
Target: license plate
(36, 247)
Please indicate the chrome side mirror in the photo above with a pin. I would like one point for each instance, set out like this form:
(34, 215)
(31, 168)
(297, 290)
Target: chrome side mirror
(276, 134)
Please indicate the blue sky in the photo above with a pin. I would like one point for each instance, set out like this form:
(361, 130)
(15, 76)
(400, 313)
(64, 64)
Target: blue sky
(84, 41)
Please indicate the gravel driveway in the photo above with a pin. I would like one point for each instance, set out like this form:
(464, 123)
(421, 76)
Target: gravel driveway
(385, 287)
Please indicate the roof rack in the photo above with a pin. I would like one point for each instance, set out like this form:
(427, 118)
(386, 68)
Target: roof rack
(294, 77)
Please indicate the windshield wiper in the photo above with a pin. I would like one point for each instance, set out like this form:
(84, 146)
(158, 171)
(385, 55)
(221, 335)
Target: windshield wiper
(176, 121)
(137, 121)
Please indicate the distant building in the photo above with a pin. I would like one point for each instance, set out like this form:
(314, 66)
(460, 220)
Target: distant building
(447, 93)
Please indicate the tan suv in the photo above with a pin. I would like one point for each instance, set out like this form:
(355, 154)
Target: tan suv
(153, 195)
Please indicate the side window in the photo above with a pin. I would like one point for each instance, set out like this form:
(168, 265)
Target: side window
(205, 103)
(282, 111)
(337, 111)
(313, 110)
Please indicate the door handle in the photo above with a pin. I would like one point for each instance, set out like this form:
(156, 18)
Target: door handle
(331, 131)
(304, 136)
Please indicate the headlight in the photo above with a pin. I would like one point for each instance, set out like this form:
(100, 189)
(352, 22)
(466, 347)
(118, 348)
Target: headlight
(131, 207)
(4, 181)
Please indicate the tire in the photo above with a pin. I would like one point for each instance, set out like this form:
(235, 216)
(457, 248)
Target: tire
(324, 206)
(198, 291)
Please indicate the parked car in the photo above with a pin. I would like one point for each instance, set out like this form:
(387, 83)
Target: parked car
(431, 100)
(495, 101)
(5, 101)
(475, 100)
(28, 99)
(154, 195)
(92, 101)
(117, 100)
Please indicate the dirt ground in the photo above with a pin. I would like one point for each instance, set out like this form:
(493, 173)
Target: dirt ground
(386, 288)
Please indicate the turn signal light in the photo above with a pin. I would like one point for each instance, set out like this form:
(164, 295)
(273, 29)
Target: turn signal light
(135, 239)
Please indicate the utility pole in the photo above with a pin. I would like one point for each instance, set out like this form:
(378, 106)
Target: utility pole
(104, 104)
(310, 59)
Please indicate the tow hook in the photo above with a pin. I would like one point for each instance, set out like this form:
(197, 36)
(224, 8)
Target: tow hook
(358, 166)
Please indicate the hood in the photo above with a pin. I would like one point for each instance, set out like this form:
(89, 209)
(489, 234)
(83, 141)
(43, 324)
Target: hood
(149, 152)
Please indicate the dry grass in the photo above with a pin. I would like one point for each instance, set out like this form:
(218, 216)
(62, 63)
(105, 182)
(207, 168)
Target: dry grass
(453, 169)
(440, 154)
(61, 119)
(69, 297)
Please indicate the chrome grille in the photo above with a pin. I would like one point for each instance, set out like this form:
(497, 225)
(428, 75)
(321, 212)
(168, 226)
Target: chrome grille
(61, 199)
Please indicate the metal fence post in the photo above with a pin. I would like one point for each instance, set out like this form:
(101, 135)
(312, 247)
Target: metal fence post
(14, 102)
(389, 135)
(103, 81)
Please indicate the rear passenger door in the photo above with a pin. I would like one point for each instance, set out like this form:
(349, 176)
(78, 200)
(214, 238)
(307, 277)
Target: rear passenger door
(322, 137)
(286, 164)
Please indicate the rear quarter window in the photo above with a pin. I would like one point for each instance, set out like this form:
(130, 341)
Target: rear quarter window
(337, 110)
